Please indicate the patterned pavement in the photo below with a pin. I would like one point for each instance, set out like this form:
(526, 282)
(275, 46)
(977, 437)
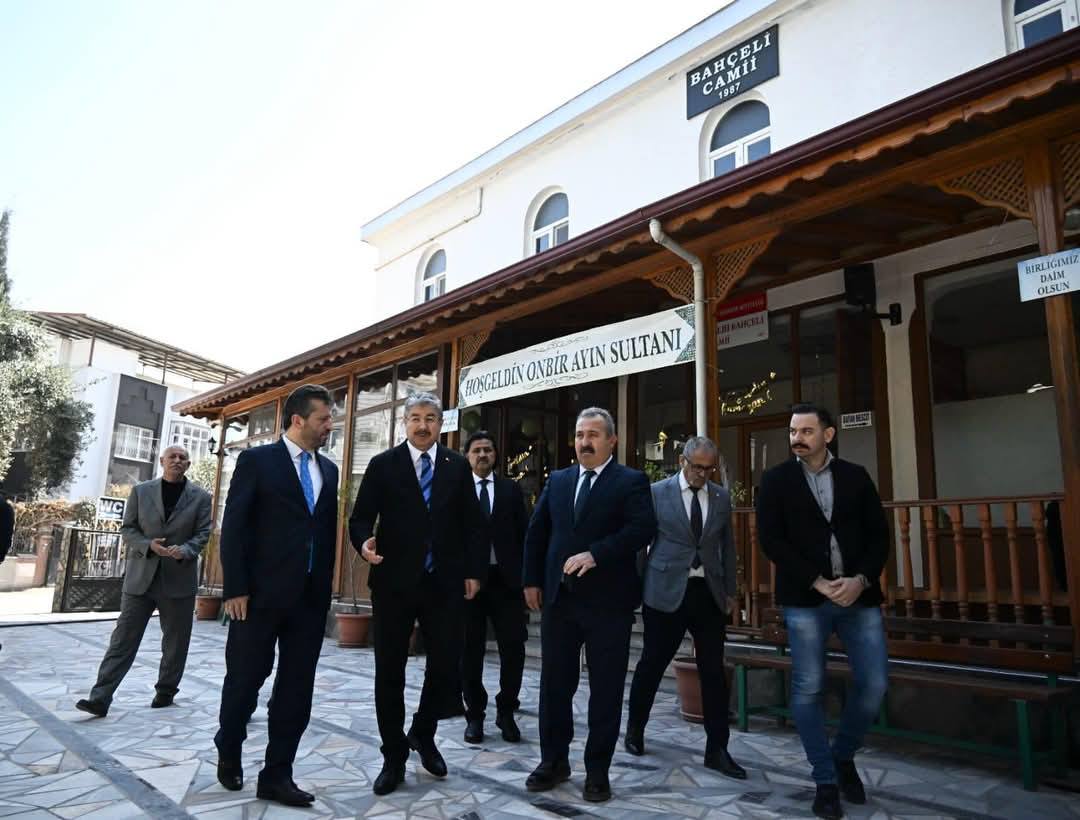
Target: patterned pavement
(139, 762)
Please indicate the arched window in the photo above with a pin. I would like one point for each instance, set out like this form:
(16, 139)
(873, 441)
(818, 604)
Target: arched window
(551, 226)
(742, 136)
(1038, 20)
(434, 282)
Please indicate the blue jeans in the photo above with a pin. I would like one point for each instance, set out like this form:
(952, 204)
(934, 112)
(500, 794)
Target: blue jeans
(861, 631)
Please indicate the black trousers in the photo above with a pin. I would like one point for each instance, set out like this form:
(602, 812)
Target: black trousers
(664, 632)
(505, 607)
(439, 613)
(568, 624)
(249, 656)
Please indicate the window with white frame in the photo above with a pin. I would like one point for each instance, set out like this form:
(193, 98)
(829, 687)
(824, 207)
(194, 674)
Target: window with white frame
(552, 224)
(434, 282)
(741, 136)
(134, 443)
(192, 437)
(1038, 20)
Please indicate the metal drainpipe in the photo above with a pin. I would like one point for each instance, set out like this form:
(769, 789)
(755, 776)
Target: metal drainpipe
(700, 403)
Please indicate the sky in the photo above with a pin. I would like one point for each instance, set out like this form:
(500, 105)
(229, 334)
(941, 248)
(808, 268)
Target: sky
(199, 171)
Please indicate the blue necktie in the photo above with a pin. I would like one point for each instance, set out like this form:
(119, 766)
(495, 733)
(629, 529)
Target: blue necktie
(309, 497)
(583, 495)
(426, 475)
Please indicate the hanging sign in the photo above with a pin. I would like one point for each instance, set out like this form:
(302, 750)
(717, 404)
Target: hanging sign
(1049, 275)
(110, 509)
(733, 72)
(864, 418)
(450, 421)
(645, 343)
(742, 321)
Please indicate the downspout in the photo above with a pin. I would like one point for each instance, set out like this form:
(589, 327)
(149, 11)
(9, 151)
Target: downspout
(700, 340)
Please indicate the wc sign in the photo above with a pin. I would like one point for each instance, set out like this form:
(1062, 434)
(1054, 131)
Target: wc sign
(110, 509)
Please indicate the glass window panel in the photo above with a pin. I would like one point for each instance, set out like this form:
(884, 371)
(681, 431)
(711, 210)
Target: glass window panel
(236, 429)
(817, 356)
(741, 121)
(756, 379)
(1043, 28)
(418, 376)
(721, 165)
(263, 420)
(371, 435)
(555, 207)
(338, 398)
(663, 412)
(373, 389)
(562, 233)
(1020, 6)
(543, 242)
(436, 265)
(757, 150)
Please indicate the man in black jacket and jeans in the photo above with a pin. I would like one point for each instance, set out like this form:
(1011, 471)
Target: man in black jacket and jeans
(821, 523)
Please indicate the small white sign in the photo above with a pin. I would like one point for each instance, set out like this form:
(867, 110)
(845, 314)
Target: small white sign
(450, 421)
(742, 321)
(1049, 275)
(850, 420)
(110, 509)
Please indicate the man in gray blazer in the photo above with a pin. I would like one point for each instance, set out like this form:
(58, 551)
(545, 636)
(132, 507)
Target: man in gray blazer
(166, 525)
(689, 584)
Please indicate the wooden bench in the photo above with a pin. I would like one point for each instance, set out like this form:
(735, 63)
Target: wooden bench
(1047, 650)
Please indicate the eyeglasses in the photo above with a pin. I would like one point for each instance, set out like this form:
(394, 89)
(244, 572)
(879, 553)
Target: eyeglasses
(701, 468)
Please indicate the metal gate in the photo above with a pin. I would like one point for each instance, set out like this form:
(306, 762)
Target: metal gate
(92, 574)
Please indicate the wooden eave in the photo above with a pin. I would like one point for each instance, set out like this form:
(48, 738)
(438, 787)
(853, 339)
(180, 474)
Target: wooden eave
(810, 199)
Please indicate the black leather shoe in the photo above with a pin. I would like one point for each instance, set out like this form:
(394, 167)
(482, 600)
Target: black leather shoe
(548, 776)
(510, 731)
(161, 700)
(851, 786)
(597, 788)
(634, 741)
(430, 758)
(94, 707)
(391, 776)
(230, 775)
(827, 802)
(474, 731)
(722, 762)
(285, 793)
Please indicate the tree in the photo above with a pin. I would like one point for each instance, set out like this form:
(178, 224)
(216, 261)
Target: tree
(5, 283)
(204, 473)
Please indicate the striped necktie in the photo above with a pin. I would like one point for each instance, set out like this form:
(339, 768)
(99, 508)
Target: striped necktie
(426, 475)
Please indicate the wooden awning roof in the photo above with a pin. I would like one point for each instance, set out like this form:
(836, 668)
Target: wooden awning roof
(899, 177)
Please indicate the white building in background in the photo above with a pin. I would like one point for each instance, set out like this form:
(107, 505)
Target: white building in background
(132, 382)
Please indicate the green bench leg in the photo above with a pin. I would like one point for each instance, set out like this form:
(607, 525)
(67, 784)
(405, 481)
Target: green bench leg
(1027, 759)
(883, 713)
(741, 691)
(1059, 732)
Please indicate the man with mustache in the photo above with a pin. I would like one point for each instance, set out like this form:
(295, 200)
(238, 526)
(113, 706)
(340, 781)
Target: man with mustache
(580, 565)
(821, 523)
(499, 599)
(278, 539)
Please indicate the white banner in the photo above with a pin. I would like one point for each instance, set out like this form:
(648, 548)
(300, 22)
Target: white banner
(1049, 275)
(632, 346)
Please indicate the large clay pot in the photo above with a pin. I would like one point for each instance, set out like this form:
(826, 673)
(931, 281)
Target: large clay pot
(689, 686)
(353, 628)
(207, 607)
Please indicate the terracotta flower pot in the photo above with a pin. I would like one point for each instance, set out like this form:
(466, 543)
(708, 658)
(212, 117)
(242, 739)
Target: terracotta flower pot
(689, 686)
(353, 628)
(207, 607)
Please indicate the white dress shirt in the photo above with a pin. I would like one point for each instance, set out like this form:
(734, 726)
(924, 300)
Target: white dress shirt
(490, 490)
(313, 466)
(703, 500)
(415, 455)
(581, 476)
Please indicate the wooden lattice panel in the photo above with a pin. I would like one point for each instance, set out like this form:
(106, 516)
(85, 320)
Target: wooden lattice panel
(1070, 172)
(733, 263)
(1000, 185)
(679, 282)
(469, 346)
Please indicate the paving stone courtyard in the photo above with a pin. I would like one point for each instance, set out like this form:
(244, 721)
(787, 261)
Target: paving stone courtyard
(138, 762)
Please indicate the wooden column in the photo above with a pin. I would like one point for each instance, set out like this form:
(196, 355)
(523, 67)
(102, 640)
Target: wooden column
(1043, 177)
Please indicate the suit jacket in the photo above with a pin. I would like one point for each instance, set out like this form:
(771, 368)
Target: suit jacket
(509, 520)
(795, 534)
(188, 528)
(618, 520)
(455, 527)
(7, 527)
(267, 530)
(672, 552)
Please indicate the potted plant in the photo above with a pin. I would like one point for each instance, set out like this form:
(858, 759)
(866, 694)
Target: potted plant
(208, 599)
(353, 625)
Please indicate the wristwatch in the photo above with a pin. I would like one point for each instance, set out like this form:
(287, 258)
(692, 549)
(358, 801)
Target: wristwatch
(865, 581)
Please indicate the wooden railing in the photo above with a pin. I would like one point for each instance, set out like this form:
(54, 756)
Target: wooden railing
(974, 559)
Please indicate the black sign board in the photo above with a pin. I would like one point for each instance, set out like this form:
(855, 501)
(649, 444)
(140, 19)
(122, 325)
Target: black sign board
(739, 69)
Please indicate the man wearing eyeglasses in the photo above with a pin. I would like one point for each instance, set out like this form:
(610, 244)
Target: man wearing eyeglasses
(689, 584)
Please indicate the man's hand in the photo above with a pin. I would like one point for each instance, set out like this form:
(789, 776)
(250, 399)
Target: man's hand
(472, 586)
(579, 564)
(367, 552)
(236, 608)
(847, 591)
(157, 546)
(176, 551)
(533, 598)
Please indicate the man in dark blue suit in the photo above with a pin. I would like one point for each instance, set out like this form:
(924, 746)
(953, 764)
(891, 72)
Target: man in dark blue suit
(580, 565)
(278, 539)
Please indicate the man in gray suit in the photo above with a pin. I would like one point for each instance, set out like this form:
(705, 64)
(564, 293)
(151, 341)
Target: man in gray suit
(166, 525)
(689, 584)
